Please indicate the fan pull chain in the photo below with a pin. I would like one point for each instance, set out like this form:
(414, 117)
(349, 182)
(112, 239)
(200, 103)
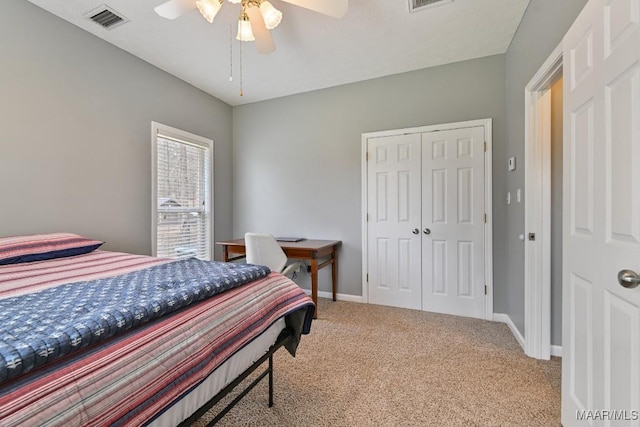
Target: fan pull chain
(230, 45)
(241, 93)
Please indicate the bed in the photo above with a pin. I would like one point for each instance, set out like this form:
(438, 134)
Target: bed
(91, 337)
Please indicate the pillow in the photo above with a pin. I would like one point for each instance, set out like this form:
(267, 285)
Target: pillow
(39, 247)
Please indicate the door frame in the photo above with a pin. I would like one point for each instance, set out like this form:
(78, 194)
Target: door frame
(488, 198)
(537, 216)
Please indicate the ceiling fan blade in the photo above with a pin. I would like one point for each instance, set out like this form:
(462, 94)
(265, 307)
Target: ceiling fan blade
(335, 8)
(264, 41)
(175, 8)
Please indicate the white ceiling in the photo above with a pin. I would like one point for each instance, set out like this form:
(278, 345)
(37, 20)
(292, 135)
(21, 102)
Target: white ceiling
(375, 38)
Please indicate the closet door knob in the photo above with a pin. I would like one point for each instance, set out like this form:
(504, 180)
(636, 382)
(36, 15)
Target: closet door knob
(415, 231)
(426, 231)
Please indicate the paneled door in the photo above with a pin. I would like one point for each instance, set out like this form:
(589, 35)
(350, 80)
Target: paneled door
(425, 228)
(394, 208)
(601, 236)
(453, 222)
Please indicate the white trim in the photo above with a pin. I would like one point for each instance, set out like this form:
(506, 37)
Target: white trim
(190, 138)
(537, 199)
(339, 297)
(556, 350)
(488, 208)
(365, 241)
(488, 205)
(504, 318)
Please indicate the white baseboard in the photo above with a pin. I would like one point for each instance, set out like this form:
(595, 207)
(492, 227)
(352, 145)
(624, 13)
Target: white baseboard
(339, 297)
(504, 318)
(556, 350)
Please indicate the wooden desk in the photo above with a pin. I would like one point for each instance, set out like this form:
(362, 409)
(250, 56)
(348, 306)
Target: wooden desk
(308, 250)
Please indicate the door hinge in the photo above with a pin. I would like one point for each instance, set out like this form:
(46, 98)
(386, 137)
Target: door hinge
(366, 156)
(485, 218)
(367, 277)
(485, 289)
(485, 146)
(367, 217)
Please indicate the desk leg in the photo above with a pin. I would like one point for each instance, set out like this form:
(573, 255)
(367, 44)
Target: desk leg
(225, 253)
(334, 273)
(314, 285)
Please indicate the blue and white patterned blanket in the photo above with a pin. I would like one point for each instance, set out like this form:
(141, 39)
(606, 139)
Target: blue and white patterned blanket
(38, 328)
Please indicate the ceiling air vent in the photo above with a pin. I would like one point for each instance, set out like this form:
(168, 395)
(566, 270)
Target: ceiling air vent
(415, 5)
(106, 17)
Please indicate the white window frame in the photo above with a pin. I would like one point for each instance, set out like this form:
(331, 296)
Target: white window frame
(159, 129)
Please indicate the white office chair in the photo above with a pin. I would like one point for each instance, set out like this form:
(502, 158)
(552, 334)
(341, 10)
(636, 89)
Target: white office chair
(263, 249)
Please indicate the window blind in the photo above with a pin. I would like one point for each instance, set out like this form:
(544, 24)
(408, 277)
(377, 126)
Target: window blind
(183, 209)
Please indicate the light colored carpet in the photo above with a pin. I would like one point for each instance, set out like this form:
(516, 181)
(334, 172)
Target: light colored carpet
(368, 365)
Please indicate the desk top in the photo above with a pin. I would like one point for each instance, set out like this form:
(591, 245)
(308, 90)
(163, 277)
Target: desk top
(309, 244)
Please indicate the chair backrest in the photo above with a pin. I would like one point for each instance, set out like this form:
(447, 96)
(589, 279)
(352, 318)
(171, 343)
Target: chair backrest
(263, 249)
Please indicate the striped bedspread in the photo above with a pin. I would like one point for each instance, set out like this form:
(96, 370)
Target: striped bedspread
(130, 378)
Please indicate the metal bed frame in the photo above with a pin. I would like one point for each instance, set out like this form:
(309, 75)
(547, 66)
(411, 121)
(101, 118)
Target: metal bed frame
(285, 336)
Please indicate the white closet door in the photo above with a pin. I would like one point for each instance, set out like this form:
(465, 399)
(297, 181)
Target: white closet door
(394, 205)
(601, 230)
(453, 222)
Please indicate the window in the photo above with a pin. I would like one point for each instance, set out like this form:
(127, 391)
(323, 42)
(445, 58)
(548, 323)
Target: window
(182, 182)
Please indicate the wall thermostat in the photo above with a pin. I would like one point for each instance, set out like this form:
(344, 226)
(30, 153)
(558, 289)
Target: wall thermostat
(512, 163)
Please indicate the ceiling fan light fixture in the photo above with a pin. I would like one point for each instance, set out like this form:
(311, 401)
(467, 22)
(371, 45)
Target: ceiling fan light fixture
(245, 33)
(271, 15)
(235, 1)
(209, 8)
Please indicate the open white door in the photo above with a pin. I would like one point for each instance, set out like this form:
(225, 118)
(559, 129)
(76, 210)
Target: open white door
(601, 237)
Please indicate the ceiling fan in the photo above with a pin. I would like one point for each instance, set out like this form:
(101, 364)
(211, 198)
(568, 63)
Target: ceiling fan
(256, 18)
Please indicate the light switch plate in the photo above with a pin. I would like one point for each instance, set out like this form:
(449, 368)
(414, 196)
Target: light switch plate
(512, 163)
(518, 198)
(508, 197)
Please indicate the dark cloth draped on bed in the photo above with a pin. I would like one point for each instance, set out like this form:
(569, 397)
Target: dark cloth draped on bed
(38, 328)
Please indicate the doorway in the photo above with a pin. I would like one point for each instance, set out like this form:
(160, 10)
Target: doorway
(543, 209)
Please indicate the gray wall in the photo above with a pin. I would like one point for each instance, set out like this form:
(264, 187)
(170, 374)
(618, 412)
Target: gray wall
(541, 30)
(297, 160)
(75, 145)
